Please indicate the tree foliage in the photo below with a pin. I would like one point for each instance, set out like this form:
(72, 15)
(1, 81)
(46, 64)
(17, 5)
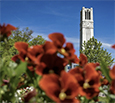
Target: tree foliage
(7, 49)
(95, 53)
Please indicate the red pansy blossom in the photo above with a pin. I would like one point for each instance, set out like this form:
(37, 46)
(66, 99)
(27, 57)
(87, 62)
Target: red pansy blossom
(49, 48)
(70, 53)
(112, 72)
(104, 82)
(58, 39)
(6, 29)
(88, 79)
(62, 89)
(22, 47)
(83, 60)
(49, 63)
(113, 46)
(30, 95)
(34, 51)
(26, 54)
(112, 88)
(112, 75)
(15, 58)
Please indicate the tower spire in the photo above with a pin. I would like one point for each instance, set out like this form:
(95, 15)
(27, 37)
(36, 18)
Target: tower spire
(86, 25)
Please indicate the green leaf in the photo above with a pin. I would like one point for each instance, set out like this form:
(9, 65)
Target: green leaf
(21, 68)
(105, 70)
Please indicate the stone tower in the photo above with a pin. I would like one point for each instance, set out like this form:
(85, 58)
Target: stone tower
(86, 25)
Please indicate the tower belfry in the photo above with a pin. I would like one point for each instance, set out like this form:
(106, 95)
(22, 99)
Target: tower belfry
(86, 25)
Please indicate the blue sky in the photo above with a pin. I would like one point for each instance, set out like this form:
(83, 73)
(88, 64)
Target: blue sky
(48, 16)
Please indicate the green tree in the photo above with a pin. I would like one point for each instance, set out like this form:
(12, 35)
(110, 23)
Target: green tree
(7, 49)
(37, 40)
(95, 53)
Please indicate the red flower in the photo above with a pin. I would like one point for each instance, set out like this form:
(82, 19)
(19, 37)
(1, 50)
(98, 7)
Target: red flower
(112, 72)
(35, 51)
(30, 95)
(112, 75)
(58, 39)
(15, 58)
(104, 82)
(27, 54)
(83, 60)
(69, 53)
(88, 79)
(6, 29)
(113, 46)
(48, 63)
(49, 48)
(62, 89)
(22, 47)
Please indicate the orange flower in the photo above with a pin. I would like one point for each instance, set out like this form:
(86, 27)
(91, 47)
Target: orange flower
(49, 63)
(113, 46)
(22, 47)
(88, 79)
(30, 95)
(112, 75)
(49, 48)
(15, 58)
(5, 30)
(27, 54)
(35, 51)
(112, 88)
(112, 72)
(104, 82)
(62, 89)
(70, 53)
(83, 60)
(58, 39)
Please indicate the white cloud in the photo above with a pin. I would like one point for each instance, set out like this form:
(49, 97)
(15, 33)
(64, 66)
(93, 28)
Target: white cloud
(72, 39)
(41, 34)
(106, 45)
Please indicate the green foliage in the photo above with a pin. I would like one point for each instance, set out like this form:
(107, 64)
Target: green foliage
(12, 74)
(7, 49)
(38, 40)
(105, 70)
(95, 53)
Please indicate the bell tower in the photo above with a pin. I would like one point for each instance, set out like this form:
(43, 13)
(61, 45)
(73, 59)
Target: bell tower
(86, 25)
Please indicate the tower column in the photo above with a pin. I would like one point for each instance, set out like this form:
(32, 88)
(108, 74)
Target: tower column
(86, 25)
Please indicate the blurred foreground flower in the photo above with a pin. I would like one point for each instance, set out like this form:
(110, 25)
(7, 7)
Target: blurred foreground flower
(5, 31)
(113, 46)
(62, 89)
(88, 79)
(112, 75)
